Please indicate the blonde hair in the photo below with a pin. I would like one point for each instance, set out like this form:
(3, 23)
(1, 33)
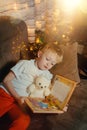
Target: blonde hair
(55, 49)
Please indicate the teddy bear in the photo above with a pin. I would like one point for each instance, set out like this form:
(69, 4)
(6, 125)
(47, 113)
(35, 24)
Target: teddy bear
(40, 88)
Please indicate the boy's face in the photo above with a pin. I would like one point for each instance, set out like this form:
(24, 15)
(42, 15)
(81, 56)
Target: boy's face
(46, 60)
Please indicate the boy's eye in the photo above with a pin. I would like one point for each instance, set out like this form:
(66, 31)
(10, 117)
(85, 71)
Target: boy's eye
(47, 59)
(52, 64)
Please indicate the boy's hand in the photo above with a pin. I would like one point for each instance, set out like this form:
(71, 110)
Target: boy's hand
(64, 110)
(21, 100)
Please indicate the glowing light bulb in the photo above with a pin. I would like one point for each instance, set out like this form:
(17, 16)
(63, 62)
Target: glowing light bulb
(63, 36)
(37, 40)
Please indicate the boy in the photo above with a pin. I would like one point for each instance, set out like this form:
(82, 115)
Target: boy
(13, 89)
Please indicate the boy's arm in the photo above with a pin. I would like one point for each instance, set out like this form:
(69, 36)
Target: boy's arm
(9, 86)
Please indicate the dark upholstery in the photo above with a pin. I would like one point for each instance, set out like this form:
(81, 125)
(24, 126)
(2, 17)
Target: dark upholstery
(13, 43)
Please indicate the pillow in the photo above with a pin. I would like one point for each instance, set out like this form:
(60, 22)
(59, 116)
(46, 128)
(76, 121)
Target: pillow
(69, 66)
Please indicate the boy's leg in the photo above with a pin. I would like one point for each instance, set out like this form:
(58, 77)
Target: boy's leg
(20, 120)
(6, 102)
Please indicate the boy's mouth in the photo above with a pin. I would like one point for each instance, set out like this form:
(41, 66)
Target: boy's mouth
(45, 67)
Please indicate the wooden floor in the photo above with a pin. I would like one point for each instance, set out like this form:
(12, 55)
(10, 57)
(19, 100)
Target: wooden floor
(74, 119)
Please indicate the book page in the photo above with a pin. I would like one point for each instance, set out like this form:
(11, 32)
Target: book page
(60, 90)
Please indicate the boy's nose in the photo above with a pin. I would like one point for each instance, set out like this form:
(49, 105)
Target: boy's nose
(47, 64)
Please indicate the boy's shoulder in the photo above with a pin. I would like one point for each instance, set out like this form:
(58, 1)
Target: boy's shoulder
(26, 61)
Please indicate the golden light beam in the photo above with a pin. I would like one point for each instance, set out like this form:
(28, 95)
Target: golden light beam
(83, 6)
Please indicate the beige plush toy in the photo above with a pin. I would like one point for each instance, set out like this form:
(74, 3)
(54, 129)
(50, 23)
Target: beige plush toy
(40, 88)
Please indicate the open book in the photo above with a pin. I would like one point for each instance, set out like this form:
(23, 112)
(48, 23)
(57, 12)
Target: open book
(61, 92)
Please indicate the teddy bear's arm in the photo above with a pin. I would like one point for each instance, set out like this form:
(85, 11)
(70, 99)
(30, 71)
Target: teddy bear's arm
(30, 88)
(47, 92)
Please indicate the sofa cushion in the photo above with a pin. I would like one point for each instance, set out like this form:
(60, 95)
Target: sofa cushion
(69, 66)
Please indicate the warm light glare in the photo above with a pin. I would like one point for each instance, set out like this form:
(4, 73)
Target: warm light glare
(70, 4)
(15, 6)
(83, 6)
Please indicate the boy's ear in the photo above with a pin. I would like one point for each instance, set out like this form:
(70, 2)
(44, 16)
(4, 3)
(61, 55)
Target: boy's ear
(39, 53)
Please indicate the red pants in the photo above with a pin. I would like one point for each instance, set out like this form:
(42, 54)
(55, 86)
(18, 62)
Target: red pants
(20, 120)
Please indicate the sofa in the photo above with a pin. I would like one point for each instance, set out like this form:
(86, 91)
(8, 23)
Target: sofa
(13, 43)
(13, 47)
